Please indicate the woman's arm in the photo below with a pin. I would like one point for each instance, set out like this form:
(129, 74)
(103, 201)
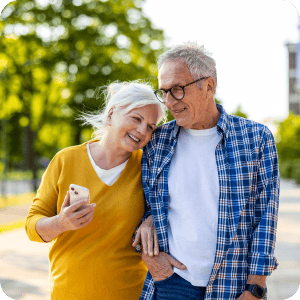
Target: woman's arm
(49, 228)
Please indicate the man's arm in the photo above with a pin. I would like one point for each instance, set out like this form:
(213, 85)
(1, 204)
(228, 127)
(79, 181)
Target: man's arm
(145, 234)
(261, 259)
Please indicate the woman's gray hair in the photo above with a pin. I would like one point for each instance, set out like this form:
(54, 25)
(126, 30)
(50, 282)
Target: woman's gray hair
(124, 97)
(197, 58)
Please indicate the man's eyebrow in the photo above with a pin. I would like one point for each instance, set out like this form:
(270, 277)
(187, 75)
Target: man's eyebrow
(143, 118)
(173, 85)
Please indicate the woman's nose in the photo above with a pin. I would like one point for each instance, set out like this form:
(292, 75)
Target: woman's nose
(142, 128)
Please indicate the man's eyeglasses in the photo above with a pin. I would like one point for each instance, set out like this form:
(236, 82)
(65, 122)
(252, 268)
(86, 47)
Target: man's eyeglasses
(177, 92)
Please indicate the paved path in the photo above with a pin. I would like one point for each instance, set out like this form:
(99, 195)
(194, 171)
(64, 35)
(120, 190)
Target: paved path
(284, 282)
(24, 264)
(13, 213)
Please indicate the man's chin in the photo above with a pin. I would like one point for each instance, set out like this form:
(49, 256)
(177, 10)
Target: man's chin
(181, 122)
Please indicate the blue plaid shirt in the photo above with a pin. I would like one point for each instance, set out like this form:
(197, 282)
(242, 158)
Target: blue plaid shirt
(248, 204)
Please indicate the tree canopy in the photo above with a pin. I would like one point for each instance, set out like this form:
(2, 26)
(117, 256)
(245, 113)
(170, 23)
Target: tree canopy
(53, 55)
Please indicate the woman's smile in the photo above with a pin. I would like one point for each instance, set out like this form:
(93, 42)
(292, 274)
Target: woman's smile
(137, 140)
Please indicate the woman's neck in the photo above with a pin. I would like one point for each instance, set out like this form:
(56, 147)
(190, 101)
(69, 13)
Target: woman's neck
(107, 155)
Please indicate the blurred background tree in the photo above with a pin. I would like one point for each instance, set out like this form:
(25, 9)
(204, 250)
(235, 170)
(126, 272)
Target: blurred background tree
(288, 147)
(53, 55)
(240, 113)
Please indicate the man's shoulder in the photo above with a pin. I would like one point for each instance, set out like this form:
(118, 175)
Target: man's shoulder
(242, 126)
(161, 138)
(165, 131)
(166, 127)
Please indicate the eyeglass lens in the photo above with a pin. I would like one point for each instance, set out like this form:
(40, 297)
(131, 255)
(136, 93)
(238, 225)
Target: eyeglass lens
(177, 92)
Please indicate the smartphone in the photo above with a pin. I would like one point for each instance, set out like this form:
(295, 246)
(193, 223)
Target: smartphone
(77, 193)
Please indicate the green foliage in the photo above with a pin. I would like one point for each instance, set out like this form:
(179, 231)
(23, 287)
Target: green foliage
(240, 113)
(288, 138)
(218, 101)
(288, 147)
(290, 169)
(18, 175)
(54, 54)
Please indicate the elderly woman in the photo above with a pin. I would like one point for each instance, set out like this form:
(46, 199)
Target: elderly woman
(91, 256)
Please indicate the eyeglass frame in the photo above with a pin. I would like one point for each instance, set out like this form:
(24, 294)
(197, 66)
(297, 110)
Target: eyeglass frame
(181, 86)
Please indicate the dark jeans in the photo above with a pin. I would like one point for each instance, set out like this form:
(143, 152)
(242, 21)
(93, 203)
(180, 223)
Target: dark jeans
(177, 288)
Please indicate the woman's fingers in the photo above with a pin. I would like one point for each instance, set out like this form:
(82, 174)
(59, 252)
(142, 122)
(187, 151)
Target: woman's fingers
(144, 237)
(87, 218)
(150, 243)
(86, 210)
(156, 244)
(87, 222)
(77, 204)
(137, 238)
(66, 202)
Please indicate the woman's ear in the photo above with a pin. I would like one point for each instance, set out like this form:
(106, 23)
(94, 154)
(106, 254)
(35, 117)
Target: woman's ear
(110, 113)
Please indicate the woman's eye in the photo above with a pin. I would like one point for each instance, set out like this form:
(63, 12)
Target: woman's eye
(136, 118)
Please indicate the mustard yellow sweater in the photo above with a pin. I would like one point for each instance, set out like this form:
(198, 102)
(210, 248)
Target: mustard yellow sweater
(97, 261)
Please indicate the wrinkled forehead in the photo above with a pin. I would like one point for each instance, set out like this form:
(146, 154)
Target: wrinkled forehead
(174, 73)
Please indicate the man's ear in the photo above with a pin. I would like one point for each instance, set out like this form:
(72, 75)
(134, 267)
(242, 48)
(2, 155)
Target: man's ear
(110, 113)
(211, 85)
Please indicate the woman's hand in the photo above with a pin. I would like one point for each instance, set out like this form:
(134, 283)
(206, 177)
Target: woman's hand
(70, 218)
(147, 233)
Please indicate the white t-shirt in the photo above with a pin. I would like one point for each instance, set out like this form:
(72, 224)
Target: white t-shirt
(193, 203)
(110, 176)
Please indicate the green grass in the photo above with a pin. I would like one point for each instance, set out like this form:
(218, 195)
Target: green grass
(12, 226)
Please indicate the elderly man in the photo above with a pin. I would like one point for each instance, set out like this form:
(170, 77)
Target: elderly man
(211, 183)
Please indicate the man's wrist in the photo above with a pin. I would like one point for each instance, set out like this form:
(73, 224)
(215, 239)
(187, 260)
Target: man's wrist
(255, 290)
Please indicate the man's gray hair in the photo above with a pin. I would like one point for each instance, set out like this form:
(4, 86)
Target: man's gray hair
(124, 97)
(197, 58)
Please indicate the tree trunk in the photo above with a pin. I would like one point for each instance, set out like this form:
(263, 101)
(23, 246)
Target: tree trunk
(32, 157)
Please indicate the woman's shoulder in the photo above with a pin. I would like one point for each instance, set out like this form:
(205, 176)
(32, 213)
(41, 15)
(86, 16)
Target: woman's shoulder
(71, 152)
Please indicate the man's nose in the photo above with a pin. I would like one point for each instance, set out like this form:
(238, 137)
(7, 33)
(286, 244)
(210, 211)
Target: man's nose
(169, 99)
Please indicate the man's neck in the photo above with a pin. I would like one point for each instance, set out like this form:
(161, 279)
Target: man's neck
(211, 121)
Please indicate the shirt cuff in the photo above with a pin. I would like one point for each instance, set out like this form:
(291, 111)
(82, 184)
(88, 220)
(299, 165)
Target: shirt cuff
(30, 228)
(261, 264)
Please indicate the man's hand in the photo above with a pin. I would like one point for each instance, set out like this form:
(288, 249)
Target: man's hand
(71, 219)
(161, 266)
(147, 233)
